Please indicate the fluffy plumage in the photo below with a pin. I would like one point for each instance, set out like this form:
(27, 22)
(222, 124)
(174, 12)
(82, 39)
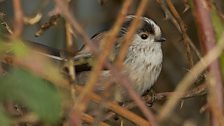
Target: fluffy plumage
(143, 62)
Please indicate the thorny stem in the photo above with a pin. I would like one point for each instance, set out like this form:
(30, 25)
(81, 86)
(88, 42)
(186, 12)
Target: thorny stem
(184, 31)
(168, 15)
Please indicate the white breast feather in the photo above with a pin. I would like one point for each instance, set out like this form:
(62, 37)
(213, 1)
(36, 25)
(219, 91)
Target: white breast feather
(144, 66)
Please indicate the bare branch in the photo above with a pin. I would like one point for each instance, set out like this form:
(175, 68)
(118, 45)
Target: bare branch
(208, 41)
(117, 109)
(183, 30)
(169, 16)
(52, 22)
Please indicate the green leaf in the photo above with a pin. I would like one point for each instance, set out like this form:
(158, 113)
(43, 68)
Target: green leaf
(4, 120)
(37, 94)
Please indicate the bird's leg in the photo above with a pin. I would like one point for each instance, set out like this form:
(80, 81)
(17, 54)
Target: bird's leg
(152, 93)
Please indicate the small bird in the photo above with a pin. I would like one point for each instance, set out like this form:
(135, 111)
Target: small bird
(143, 62)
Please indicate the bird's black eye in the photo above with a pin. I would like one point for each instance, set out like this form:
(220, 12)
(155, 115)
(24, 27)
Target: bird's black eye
(144, 36)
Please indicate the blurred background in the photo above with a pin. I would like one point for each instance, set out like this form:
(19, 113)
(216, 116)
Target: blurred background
(95, 16)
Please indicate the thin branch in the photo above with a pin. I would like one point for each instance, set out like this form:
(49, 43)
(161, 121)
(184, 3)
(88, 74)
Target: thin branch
(69, 48)
(18, 27)
(124, 49)
(33, 20)
(117, 109)
(183, 30)
(208, 41)
(186, 5)
(190, 77)
(8, 29)
(52, 22)
(89, 119)
(169, 16)
(71, 69)
(129, 36)
(125, 46)
(198, 91)
(201, 90)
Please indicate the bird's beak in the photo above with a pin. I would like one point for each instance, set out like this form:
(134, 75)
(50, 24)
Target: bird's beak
(162, 39)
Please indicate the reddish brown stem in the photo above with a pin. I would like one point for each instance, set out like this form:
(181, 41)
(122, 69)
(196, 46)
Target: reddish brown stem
(18, 18)
(208, 41)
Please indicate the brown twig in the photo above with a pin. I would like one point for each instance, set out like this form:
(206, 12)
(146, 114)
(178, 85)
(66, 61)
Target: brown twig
(89, 119)
(131, 30)
(184, 32)
(198, 91)
(201, 90)
(69, 47)
(169, 16)
(52, 22)
(33, 20)
(117, 109)
(18, 27)
(9, 30)
(190, 78)
(125, 46)
(71, 72)
(208, 41)
(186, 5)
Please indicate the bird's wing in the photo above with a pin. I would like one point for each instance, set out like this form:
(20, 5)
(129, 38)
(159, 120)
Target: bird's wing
(85, 52)
(96, 39)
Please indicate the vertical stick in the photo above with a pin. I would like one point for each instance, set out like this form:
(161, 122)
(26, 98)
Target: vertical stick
(208, 41)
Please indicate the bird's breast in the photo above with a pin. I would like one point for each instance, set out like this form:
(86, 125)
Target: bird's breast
(143, 66)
